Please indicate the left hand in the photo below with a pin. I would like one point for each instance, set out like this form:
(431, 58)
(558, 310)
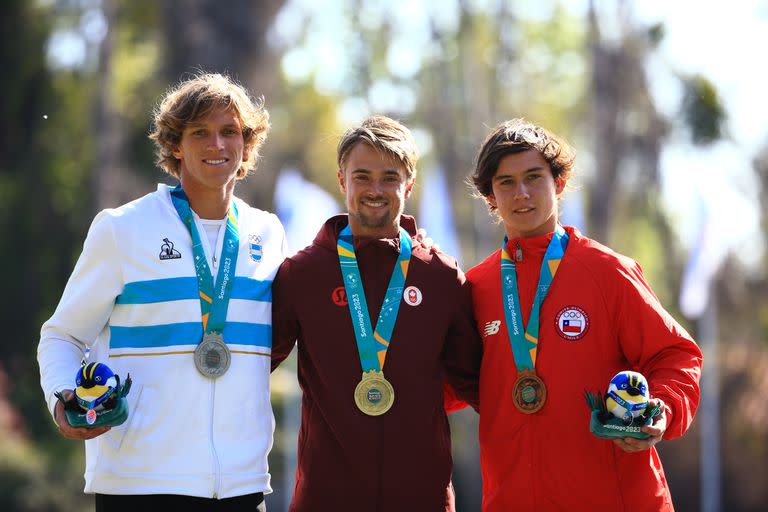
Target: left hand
(67, 430)
(656, 431)
(426, 241)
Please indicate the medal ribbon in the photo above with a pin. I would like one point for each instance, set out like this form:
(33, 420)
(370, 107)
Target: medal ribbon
(372, 344)
(525, 344)
(214, 301)
(630, 406)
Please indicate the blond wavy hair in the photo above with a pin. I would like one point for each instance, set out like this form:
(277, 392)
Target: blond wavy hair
(195, 98)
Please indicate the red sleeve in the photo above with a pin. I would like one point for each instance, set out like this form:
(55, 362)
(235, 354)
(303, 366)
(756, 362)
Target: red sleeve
(452, 402)
(285, 326)
(462, 353)
(660, 349)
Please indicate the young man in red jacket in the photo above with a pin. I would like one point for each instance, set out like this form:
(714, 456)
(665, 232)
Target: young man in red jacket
(381, 323)
(560, 314)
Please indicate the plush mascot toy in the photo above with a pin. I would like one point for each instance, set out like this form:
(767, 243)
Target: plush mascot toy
(625, 408)
(627, 396)
(100, 399)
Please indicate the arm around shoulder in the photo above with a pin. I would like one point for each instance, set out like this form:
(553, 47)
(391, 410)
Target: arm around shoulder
(463, 351)
(285, 325)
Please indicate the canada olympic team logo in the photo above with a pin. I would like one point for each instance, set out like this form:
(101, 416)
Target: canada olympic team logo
(412, 296)
(572, 323)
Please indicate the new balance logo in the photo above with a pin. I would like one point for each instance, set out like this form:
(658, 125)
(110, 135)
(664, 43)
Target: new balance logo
(167, 252)
(492, 327)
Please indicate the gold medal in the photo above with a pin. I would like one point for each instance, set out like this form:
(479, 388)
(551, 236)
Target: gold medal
(529, 392)
(212, 356)
(374, 395)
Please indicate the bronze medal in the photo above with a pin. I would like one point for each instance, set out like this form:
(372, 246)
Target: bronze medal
(374, 395)
(212, 356)
(529, 392)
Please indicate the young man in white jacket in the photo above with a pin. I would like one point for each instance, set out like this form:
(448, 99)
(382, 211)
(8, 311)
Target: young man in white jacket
(175, 289)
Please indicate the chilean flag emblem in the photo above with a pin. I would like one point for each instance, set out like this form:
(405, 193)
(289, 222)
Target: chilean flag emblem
(572, 323)
(572, 326)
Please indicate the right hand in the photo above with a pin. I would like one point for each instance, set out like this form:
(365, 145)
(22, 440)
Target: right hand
(68, 430)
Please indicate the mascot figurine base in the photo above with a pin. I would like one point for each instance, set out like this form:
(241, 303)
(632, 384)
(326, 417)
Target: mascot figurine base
(624, 410)
(100, 398)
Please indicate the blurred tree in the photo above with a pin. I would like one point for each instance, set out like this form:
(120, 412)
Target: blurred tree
(628, 129)
(230, 38)
(42, 178)
(744, 444)
(227, 38)
(760, 164)
(625, 208)
(126, 69)
(44, 156)
(703, 110)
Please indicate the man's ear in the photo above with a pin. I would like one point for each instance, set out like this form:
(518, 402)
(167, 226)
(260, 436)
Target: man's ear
(559, 186)
(409, 187)
(176, 152)
(491, 200)
(247, 155)
(342, 184)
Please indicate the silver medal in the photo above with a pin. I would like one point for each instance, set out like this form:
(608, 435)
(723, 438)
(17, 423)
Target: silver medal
(212, 355)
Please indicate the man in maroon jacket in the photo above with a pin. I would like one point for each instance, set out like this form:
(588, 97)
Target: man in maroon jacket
(381, 323)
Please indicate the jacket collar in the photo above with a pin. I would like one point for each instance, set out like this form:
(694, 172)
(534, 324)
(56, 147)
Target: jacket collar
(329, 233)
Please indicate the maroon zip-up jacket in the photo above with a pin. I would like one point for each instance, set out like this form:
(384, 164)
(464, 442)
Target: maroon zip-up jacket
(401, 460)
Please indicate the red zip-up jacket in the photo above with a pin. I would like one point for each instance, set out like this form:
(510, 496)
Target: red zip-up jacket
(599, 317)
(401, 460)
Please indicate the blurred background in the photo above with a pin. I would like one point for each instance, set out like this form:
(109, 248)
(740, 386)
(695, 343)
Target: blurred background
(664, 102)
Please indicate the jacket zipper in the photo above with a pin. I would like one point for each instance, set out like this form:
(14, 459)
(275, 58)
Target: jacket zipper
(216, 465)
(518, 252)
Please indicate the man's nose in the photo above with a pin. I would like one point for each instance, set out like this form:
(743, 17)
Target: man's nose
(521, 191)
(216, 141)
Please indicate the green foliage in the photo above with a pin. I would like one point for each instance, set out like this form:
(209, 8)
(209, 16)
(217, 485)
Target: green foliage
(656, 33)
(136, 81)
(703, 110)
(305, 132)
(31, 480)
(639, 238)
(551, 71)
(42, 182)
(44, 207)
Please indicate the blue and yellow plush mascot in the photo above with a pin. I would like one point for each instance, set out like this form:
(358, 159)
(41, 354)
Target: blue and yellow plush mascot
(96, 387)
(627, 396)
(624, 409)
(99, 397)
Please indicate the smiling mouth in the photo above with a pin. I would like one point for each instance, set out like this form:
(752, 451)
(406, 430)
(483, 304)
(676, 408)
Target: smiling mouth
(374, 204)
(524, 210)
(218, 161)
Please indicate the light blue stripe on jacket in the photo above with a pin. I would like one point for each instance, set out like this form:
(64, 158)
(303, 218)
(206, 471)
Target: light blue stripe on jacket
(182, 288)
(187, 333)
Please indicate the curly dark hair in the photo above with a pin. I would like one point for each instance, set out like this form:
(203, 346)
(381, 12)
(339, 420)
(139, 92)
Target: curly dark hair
(516, 136)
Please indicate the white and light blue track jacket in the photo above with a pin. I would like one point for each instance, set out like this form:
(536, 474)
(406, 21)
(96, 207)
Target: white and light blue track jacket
(133, 300)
